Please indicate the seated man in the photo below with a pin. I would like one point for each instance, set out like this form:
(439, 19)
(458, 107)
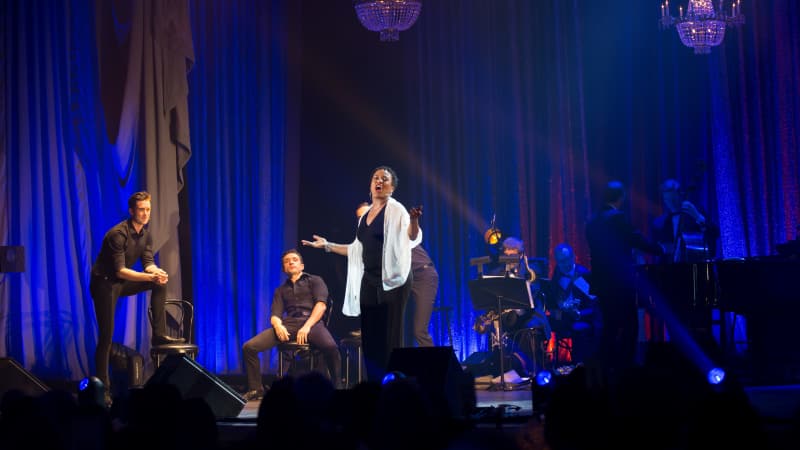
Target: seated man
(513, 246)
(573, 311)
(686, 234)
(297, 307)
(525, 349)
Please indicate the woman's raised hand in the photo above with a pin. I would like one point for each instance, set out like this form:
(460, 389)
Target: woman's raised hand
(318, 242)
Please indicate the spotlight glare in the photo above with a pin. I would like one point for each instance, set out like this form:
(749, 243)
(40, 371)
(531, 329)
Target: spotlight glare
(544, 378)
(392, 376)
(716, 375)
(90, 382)
(91, 392)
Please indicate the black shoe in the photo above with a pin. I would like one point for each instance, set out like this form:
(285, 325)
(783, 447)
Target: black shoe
(160, 340)
(253, 394)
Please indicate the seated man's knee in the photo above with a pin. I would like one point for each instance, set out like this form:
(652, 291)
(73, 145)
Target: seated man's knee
(332, 347)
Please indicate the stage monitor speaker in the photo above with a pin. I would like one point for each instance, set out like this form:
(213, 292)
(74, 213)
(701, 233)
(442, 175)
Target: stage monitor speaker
(193, 381)
(482, 364)
(14, 377)
(439, 374)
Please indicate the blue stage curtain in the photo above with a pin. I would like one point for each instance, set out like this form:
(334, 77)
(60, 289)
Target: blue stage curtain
(243, 178)
(516, 109)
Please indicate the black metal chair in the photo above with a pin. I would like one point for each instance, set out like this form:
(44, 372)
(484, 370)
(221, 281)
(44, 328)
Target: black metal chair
(350, 346)
(292, 356)
(445, 313)
(180, 323)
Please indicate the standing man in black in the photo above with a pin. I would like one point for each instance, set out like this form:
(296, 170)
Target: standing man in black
(612, 239)
(113, 276)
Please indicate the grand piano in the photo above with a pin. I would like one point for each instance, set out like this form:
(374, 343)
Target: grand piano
(708, 297)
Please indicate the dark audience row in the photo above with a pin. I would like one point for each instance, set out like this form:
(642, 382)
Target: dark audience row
(655, 406)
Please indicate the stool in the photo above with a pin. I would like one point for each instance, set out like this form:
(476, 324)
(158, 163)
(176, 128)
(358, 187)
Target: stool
(295, 353)
(352, 350)
(445, 310)
(159, 352)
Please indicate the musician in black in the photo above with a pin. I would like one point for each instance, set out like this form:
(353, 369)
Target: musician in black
(512, 246)
(526, 328)
(685, 232)
(572, 311)
(612, 238)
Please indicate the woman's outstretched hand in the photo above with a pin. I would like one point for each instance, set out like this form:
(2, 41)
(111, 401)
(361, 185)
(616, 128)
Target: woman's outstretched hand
(318, 242)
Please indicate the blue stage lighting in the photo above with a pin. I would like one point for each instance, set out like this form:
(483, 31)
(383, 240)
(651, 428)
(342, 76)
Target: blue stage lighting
(88, 382)
(716, 375)
(544, 378)
(392, 376)
(91, 391)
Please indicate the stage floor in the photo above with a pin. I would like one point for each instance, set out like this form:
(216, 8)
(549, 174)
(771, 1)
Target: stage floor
(516, 404)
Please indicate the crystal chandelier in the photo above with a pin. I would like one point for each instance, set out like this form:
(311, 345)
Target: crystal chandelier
(389, 17)
(702, 26)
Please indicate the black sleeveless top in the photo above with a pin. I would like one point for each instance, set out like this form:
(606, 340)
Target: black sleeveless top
(371, 237)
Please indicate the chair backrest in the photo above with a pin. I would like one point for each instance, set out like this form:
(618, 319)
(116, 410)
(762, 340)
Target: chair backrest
(179, 317)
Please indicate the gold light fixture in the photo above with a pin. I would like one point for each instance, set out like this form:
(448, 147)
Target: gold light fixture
(493, 235)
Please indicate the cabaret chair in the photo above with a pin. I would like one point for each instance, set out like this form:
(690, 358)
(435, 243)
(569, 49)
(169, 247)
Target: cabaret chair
(293, 356)
(180, 323)
(353, 353)
(444, 313)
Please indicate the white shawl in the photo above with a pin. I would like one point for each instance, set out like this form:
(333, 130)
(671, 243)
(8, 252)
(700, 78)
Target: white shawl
(396, 256)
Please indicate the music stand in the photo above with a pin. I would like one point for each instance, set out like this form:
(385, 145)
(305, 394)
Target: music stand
(500, 292)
